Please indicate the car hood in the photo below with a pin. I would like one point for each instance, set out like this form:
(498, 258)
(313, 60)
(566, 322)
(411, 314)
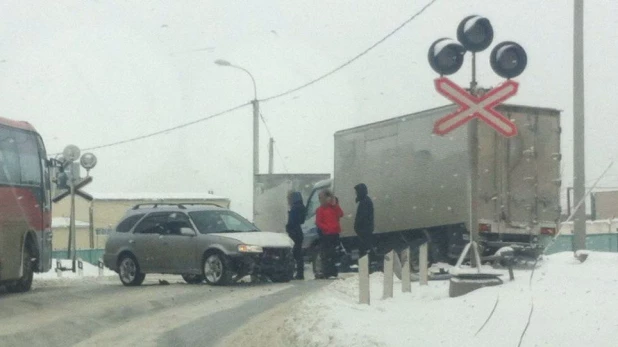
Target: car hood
(260, 238)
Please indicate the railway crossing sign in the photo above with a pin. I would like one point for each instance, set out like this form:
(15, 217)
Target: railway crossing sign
(471, 106)
(76, 188)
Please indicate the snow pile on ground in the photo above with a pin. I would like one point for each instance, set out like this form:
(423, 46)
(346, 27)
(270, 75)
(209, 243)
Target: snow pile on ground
(574, 303)
(89, 270)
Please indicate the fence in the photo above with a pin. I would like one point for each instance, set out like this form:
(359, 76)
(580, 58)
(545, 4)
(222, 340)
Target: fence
(89, 255)
(594, 242)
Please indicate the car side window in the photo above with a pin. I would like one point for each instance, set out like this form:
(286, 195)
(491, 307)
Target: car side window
(127, 224)
(152, 224)
(176, 221)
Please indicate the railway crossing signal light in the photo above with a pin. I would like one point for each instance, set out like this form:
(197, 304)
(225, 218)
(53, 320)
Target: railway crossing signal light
(446, 56)
(475, 33)
(508, 59)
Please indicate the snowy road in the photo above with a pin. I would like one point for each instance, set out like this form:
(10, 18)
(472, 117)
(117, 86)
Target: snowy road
(102, 312)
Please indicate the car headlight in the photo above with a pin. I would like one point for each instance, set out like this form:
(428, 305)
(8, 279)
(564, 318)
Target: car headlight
(250, 249)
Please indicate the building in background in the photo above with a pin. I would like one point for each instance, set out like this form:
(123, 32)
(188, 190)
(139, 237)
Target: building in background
(107, 209)
(60, 233)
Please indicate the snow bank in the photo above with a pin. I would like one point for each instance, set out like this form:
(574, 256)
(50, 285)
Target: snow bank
(574, 304)
(89, 270)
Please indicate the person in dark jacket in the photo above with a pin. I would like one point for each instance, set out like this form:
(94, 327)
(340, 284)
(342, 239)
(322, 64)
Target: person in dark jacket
(327, 221)
(363, 222)
(296, 217)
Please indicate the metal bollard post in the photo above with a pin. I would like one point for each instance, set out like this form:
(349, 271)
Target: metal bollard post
(388, 275)
(58, 268)
(423, 271)
(406, 283)
(101, 267)
(363, 278)
(80, 267)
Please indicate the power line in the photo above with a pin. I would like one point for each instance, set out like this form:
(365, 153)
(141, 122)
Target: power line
(358, 56)
(276, 148)
(168, 129)
(353, 59)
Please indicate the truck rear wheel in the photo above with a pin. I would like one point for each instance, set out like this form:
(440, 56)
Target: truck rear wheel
(25, 282)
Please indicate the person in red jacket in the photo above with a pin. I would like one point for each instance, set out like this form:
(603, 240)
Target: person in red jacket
(327, 221)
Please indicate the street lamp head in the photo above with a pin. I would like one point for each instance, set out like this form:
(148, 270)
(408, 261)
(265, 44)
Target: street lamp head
(222, 62)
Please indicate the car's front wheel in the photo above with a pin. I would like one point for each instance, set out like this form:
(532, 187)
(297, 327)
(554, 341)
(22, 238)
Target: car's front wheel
(129, 271)
(217, 269)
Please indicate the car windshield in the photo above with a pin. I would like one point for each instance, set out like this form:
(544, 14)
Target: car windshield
(208, 222)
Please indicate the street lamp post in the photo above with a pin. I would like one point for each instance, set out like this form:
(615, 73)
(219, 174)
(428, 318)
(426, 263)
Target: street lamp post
(256, 128)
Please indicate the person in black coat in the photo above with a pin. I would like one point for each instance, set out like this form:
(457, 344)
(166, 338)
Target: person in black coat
(296, 217)
(363, 222)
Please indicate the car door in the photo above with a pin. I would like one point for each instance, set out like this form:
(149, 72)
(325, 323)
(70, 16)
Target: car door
(146, 242)
(179, 250)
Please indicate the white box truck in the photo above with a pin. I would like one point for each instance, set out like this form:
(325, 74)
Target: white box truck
(420, 182)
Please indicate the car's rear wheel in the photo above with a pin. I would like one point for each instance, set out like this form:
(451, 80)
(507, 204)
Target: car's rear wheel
(217, 269)
(193, 279)
(25, 282)
(129, 271)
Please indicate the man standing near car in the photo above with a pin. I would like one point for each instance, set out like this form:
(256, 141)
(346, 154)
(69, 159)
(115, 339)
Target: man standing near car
(363, 222)
(296, 217)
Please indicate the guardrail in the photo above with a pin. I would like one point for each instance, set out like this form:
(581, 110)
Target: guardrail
(89, 255)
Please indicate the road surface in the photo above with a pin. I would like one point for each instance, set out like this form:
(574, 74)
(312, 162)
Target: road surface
(102, 312)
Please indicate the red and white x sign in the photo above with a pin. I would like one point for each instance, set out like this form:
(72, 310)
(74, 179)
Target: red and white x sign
(471, 106)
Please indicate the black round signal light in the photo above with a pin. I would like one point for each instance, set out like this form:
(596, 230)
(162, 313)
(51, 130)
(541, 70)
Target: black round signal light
(475, 33)
(446, 56)
(508, 59)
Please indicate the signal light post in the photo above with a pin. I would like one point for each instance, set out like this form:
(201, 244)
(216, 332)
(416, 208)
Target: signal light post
(88, 161)
(508, 60)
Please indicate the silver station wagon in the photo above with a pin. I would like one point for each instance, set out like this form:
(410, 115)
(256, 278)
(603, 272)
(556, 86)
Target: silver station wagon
(198, 241)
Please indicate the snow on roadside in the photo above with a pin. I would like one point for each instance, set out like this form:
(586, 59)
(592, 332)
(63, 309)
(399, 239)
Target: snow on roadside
(90, 273)
(574, 305)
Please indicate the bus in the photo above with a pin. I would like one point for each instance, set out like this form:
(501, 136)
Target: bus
(25, 206)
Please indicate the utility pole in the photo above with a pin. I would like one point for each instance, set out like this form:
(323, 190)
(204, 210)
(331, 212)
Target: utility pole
(579, 164)
(271, 151)
(91, 224)
(256, 128)
(256, 152)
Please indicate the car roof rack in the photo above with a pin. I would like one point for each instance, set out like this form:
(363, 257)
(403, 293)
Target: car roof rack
(180, 205)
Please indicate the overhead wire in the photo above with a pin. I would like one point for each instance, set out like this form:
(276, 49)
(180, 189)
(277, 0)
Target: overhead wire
(184, 125)
(305, 85)
(276, 148)
(358, 56)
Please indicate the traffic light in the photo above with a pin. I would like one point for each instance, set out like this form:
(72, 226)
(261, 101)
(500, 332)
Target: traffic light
(475, 33)
(508, 59)
(446, 56)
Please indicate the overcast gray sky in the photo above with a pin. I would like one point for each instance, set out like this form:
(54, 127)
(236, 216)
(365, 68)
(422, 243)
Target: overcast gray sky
(92, 72)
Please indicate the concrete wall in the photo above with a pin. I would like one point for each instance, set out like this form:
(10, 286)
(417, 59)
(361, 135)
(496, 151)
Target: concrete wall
(60, 238)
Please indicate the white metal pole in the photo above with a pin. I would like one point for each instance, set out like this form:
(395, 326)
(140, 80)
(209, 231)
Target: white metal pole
(72, 234)
(256, 152)
(473, 145)
(579, 164)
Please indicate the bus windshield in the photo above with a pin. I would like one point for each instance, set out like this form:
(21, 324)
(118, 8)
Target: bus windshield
(20, 162)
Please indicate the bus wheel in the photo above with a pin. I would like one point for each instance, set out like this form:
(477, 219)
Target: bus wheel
(25, 282)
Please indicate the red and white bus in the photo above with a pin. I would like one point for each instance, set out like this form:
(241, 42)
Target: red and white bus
(25, 205)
